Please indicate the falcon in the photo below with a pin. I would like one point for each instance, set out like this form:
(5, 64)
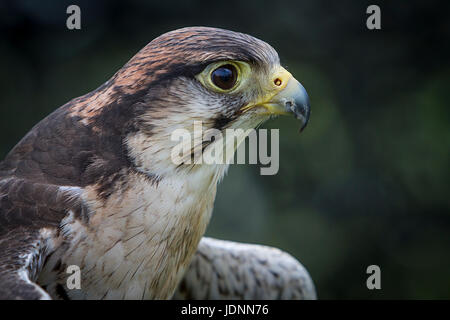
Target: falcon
(93, 184)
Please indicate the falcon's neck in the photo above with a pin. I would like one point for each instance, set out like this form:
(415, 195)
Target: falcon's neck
(146, 231)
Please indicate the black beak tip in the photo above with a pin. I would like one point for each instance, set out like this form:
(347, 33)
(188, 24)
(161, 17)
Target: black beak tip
(302, 107)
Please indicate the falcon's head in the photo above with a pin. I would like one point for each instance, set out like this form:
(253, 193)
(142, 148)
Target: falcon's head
(222, 78)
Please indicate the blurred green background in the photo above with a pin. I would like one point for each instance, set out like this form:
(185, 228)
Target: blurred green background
(366, 183)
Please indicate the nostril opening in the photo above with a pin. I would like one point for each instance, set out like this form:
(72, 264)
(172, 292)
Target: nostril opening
(278, 82)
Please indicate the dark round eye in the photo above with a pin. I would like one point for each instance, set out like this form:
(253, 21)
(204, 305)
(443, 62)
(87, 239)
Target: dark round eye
(224, 77)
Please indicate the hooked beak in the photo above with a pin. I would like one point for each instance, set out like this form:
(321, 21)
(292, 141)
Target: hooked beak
(292, 99)
(289, 98)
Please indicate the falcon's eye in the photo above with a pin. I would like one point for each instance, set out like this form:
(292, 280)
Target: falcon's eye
(224, 77)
